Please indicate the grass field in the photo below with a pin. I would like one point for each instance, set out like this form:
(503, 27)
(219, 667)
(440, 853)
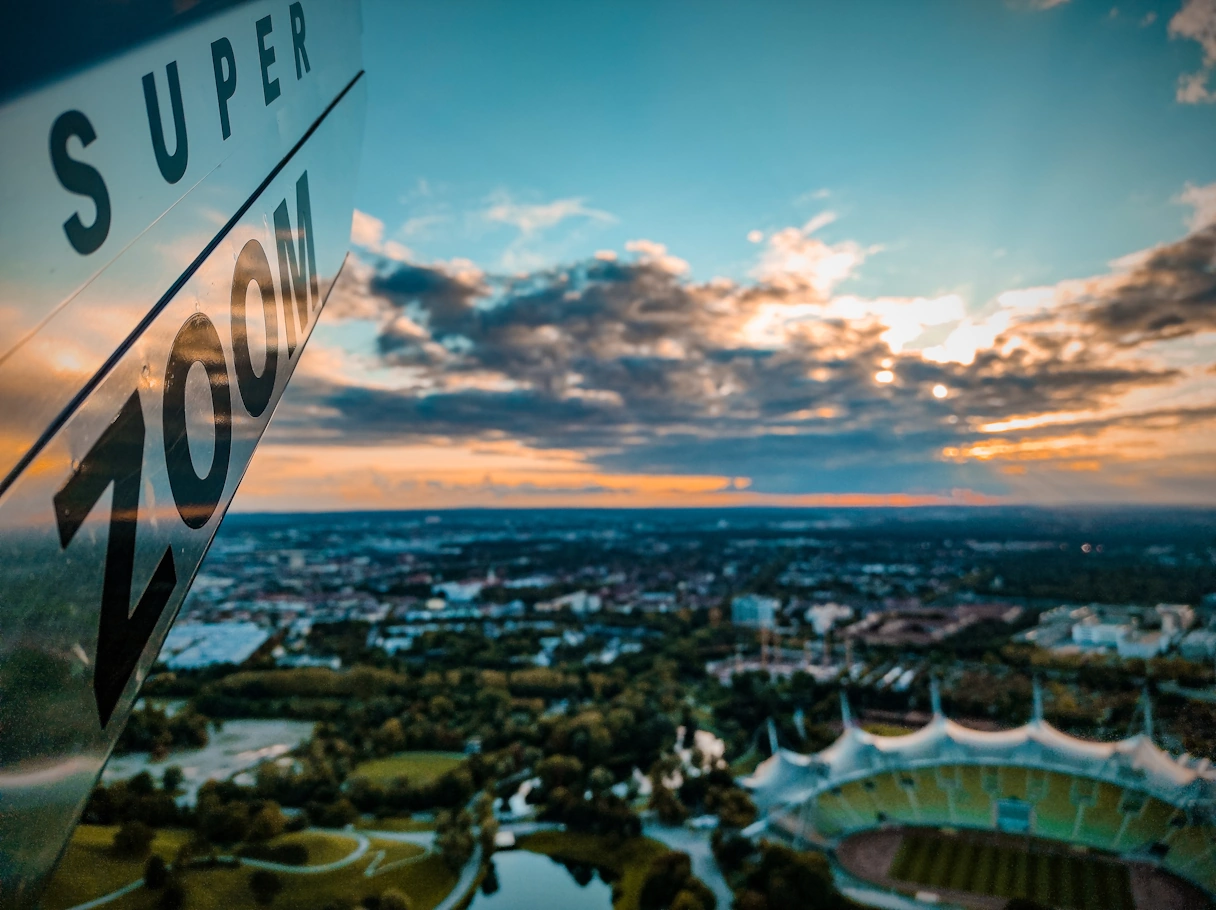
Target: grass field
(1067, 880)
(322, 848)
(410, 825)
(630, 860)
(416, 767)
(90, 869)
(879, 729)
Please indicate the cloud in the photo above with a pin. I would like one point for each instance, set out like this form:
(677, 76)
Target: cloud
(1036, 4)
(365, 230)
(1202, 200)
(421, 225)
(795, 261)
(533, 218)
(656, 254)
(1168, 292)
(1196, 21)
(643, 370)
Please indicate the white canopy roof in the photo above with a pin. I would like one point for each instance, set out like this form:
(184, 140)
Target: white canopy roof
(1135, 763)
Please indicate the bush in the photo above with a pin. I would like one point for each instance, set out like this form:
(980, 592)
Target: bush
(156, 873)
(172, 897)
(285, 854)
(265, 885)
(133, 838)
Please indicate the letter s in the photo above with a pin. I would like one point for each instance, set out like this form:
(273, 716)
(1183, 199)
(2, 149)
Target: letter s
(82, 179)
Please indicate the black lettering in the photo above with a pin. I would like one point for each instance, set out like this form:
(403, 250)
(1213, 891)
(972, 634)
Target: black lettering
(81, 179)
(171, 166)
(297, 39)
(270, 87)
(197, 341)
(225, 88)
(253, 266)
(297, 274)
(116, 458)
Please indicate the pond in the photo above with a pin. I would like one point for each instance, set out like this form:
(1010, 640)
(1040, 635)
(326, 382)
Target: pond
(532, 881)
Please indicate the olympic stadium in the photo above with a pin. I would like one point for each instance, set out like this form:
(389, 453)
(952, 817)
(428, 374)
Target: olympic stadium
(977, 817)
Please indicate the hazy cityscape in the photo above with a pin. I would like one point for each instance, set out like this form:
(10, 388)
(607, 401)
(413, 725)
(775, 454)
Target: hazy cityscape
(456, 685)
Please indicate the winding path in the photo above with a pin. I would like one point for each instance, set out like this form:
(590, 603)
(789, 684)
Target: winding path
(696, 845)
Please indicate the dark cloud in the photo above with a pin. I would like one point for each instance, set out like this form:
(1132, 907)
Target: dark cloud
(1171, 293)
(650, 372)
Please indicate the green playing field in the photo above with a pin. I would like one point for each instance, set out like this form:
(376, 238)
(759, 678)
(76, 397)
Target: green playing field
(1011, 869)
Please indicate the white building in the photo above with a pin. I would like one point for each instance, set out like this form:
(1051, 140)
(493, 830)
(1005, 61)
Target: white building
(823, 616)
(1142, 644)
(1199, 645)
(206, 644)
(1093, 633)
(460, 591)
(1176, 618)
(579, 602)
(754, 610)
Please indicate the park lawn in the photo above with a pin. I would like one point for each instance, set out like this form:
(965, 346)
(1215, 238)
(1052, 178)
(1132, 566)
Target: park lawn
(395, 851)
(323, 847)
(407, 825)
(426, 882)
(90, 868)
(416, 767)
(630, 861)
(886, 729)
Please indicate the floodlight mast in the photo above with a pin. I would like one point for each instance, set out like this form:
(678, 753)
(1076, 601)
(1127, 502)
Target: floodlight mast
(158, 166)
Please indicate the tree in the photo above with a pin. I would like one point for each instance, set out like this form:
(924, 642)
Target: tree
(265, 885)
(788, 880)
(267, 822)
(156, 873)
(392, 899)
(223, 823)
(600, 780)
(733, 806)
(665, 879)
(559, 771)
(173, 897)
(171, 779)
(454, 838)
(133, 838)
(670, 810)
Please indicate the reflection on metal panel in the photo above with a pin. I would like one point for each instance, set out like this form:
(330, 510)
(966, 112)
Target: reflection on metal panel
(115, 180)
(140, 363)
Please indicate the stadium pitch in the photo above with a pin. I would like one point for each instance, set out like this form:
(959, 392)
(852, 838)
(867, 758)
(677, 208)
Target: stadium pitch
(1012, 868)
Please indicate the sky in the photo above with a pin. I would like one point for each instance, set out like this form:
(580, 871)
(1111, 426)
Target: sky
(800, 254)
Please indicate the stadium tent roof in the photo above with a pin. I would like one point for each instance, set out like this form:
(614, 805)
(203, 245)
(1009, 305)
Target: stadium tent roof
(1135, 763)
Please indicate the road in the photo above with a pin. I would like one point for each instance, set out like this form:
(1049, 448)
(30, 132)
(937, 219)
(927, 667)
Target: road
(696, 845)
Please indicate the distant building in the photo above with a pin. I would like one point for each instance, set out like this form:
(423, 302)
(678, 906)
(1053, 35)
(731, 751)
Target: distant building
(1142, 645)
(189, 646)
(754, 610)
(460, 591)
(1199, 645)
(1094, 633)
(1176, 619)
(287, 659)
(579, 602)
(823, 616)
(928, 625)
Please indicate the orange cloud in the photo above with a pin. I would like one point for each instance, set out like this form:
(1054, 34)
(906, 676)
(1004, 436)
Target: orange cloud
(505, 474)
